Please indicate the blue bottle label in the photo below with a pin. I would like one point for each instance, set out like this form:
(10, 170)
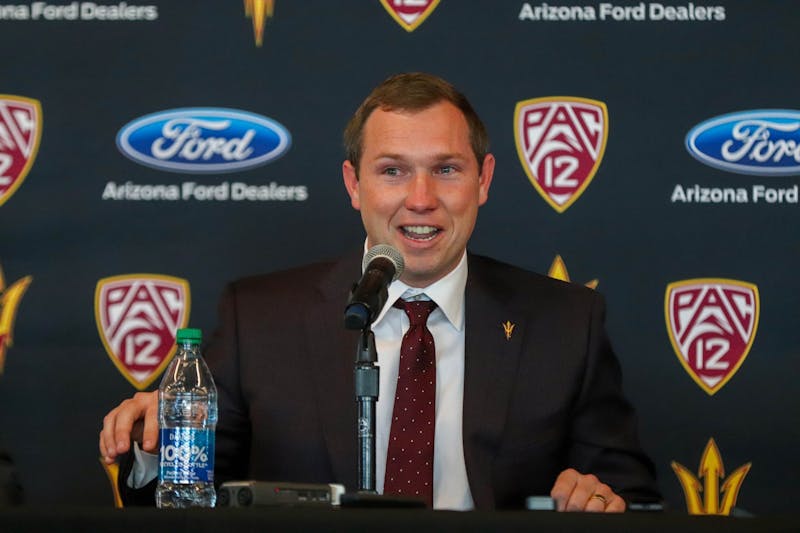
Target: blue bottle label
(186, 455)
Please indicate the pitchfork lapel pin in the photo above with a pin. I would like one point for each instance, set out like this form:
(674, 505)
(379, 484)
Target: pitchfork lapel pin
(508, 327)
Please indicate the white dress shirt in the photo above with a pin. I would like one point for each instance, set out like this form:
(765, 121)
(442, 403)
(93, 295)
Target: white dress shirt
(446, 323)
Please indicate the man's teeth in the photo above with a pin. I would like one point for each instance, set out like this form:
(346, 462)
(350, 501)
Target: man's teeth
(420, 232)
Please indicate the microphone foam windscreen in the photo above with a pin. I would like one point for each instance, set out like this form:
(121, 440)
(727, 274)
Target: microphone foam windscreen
(388, 252)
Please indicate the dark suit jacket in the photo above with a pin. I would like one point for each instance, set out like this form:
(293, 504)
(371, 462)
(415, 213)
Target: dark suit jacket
(546, 399)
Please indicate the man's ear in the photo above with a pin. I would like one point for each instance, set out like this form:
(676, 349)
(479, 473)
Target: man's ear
(351, 183)
(485, 179)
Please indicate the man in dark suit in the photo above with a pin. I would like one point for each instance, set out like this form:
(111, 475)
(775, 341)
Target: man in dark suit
(528, 394)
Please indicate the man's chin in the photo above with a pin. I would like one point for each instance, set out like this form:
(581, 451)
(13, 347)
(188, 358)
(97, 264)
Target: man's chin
(421, 274)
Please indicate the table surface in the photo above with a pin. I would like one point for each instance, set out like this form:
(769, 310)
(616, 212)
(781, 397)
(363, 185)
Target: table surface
(228, 520)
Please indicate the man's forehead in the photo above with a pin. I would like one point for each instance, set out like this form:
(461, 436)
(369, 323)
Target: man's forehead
(412, 112)
(386, 125)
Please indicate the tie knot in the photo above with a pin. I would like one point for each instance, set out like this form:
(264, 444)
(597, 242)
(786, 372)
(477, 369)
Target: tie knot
(417, 311)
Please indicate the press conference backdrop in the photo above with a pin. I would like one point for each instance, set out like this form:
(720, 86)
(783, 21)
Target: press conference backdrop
(152, 151)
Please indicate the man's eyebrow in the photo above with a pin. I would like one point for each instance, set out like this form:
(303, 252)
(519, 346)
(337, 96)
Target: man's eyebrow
(447, 156)
(451, 156)
(389, 156)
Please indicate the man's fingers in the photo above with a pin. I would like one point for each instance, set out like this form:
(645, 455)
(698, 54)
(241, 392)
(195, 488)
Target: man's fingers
(135, 418)
(616, 505)
(597, 503)
(585, 487)
(104, 453)
(150, 430)
(574, 491)
(108, 446)
(563, 487)
(605, 501)
(123, 426)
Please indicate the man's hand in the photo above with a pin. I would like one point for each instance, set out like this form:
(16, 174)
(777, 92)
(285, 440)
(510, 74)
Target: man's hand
(135, 418)
(574, 491)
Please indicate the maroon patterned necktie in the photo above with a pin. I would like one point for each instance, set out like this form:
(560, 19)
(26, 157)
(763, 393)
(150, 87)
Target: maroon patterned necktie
(409, 459)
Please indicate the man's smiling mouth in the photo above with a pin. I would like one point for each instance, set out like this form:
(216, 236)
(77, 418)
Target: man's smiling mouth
(420, 233)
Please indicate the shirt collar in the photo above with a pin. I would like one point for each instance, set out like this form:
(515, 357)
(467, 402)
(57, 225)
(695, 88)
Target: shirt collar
(448, 293)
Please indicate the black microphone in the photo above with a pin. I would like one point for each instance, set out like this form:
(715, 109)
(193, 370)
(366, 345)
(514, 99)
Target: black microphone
(382, 265)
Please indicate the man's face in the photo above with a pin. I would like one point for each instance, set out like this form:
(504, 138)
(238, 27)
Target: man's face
(419, 187)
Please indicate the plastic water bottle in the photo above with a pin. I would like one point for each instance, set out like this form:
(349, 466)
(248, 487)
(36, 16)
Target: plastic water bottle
(187, 417)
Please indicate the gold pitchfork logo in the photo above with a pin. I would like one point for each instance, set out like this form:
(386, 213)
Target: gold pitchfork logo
(718, 500)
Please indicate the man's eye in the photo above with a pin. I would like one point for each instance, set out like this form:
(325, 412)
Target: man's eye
(447, 169)
(391, 171)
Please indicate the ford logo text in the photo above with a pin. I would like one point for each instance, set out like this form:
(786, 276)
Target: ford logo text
(203, 140)
(763, 142)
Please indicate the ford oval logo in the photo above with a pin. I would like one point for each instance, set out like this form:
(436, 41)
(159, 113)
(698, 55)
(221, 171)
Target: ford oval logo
(203, 140)
(763, 142)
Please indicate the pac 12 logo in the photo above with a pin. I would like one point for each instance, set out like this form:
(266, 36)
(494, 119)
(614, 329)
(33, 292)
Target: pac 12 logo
(560, 142)
(203, 140)
(762, 142)
(20, 133)
(137, 317)
(712, 324)
(410, 13)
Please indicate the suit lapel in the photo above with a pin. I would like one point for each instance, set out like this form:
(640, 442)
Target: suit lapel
(332, 354)
(490, 361)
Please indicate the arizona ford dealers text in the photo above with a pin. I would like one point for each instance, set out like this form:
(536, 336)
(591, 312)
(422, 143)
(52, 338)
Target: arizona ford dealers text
(606, 11)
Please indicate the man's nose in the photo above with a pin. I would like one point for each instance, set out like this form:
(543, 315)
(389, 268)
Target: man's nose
(421, 192)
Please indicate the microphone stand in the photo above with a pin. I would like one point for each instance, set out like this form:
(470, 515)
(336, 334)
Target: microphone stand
(366, 388)
(359, 315)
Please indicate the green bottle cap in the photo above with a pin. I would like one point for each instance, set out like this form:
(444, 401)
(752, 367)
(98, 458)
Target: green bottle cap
(190, 335)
